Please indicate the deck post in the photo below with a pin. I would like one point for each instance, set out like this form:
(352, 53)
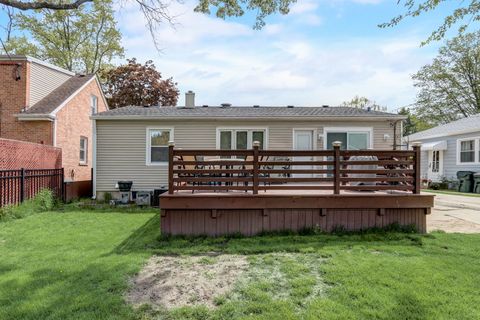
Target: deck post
(336, 166)
(171, 146)
(256, 145)
(416, 169)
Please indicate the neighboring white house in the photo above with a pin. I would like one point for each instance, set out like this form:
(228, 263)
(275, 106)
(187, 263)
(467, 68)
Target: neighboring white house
(449, 148)
(132, 142)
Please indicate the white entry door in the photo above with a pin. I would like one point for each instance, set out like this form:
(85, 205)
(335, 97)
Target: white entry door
(303, 140)
(435, 165)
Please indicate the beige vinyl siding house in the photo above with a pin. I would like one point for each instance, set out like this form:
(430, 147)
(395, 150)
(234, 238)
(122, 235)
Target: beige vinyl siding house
(123, 150)
(44, 78)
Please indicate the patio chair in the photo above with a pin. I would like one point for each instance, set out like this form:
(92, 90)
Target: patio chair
(265, 167)
(188, 167)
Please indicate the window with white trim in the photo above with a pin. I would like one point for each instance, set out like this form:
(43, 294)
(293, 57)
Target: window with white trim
(93, 104)
(240, 139)
(157, 145)
(83, 150)
(467, 151)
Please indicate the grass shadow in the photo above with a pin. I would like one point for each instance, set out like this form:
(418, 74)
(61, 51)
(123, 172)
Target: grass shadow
(142, 239)
(147, 238)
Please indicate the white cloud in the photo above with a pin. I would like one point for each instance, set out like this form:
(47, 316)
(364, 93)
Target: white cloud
(304, 6)
(225, 61)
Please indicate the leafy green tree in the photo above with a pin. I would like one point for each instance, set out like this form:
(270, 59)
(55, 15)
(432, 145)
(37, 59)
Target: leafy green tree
(83, 40)
(463, 15)
(412, 124)
(449, 87)
(363, 103)
(156, 11)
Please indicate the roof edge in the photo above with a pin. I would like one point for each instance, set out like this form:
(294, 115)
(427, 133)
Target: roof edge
(67, 100)
(408, 138)
(37, 61)
(285, 118)
(34, 116)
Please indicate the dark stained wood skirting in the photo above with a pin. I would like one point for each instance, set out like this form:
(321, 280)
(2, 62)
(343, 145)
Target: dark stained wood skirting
(197, 214)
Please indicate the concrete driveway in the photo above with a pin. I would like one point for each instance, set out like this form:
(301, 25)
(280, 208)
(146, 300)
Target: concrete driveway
(454, 213)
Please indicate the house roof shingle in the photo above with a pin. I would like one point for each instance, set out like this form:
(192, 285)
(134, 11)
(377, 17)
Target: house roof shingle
(132, 112)
(465, 125)
(58, 96)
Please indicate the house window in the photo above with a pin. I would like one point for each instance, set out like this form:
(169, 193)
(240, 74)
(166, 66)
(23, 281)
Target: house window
(157, 145)
(435, 161)
(240, 139)
(93, 104)
(83, 150)
(354, 139)
(467, 150)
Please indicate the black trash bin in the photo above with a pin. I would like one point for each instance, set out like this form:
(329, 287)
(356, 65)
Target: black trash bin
(125, 186)
(156, 195)
(465, 181)
(476, 182)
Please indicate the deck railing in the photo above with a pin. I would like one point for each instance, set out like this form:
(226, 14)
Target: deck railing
(257, 170)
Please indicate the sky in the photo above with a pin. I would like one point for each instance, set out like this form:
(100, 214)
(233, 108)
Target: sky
(323, 52)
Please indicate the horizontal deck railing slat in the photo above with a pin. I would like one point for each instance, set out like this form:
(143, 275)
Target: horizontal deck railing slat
(254, 169)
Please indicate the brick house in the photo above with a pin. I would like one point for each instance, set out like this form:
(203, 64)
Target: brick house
(42, 103)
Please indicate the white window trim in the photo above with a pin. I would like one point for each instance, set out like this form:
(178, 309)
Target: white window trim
(476, 150)
(85, 161)
(93, 98)
(315, 137)
(148, 145)
(249, 135)
(368, 130)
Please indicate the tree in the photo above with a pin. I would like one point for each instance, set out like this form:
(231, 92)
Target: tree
(138, 85)
(156, 11)
(363, 103)
(84, 39)
(449, 87)
(412, 124)
(465, 13)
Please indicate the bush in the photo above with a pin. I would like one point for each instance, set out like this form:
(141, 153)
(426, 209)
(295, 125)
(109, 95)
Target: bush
(43, 201)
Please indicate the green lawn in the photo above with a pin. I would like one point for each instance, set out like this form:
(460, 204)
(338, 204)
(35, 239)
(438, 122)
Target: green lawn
(452, 192)
(75, 265)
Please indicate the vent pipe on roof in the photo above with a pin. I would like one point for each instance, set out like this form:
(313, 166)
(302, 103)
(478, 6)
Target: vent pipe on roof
(325, 106)
(226, 105)
(256, 106)
(190, 99)
(290, 106)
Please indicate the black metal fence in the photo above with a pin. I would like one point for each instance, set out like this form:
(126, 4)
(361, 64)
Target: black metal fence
(19, 185)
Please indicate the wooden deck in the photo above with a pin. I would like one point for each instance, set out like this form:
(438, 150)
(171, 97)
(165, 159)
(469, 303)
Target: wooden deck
(247, 198)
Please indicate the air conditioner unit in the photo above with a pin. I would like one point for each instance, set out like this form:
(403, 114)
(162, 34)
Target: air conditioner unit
(143, 198)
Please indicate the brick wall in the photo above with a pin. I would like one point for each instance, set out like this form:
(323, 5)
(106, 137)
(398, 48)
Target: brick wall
(14, 96)
(19, 154)
(73, 122)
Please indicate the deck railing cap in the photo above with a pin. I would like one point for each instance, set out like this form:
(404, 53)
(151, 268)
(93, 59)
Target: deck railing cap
(171, 143)
(256, 143)
(337, 143)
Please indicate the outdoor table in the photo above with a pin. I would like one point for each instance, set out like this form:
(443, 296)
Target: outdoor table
(231, 163)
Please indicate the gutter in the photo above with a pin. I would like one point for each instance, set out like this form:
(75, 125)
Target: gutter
(34, 116)
(94, 159)
(286, 118)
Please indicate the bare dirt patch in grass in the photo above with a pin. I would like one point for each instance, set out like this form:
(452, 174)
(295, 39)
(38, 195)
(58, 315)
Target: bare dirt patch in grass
(208, 280)
(171, 282)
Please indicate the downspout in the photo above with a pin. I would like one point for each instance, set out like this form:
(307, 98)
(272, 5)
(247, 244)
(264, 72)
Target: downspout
(54, 138)
(94, 159)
